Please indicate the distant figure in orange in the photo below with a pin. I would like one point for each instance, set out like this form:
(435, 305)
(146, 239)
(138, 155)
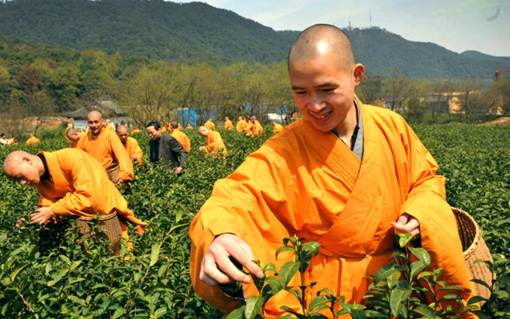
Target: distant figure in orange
(256, 129)
(228, 124)
(277, 127)
(74, 136)
(240, 124)
(32, 140)
(214, 143)
(180, 136)
(132, 148)
(210, 125)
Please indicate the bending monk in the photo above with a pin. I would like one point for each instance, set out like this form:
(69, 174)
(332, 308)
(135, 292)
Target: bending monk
(104, 145)
(70, 182)
(346, 175)
(213, 143)
(132, 148)
(228, 124)
(74, 136)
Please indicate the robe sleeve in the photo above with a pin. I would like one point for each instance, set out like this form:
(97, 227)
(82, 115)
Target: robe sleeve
(426, 201)
(138, 152)
(176, 147)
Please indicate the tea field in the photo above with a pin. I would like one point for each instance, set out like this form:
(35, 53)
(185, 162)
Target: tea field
(45, 273)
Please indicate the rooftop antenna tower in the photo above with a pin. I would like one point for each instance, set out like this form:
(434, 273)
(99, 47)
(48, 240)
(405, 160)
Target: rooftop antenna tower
(350, 27)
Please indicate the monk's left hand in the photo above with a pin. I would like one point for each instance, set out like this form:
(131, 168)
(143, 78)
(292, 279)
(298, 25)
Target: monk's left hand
(201, 148)
(119, 181)
(42, 216)
(407, 224)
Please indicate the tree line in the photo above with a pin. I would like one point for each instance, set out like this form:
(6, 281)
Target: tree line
(45, 80)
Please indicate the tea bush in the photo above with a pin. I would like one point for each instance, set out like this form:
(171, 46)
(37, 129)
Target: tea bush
(45, 273)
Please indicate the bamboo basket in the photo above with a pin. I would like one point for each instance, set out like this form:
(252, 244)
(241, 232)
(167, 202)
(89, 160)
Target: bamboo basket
(113, 233)
(113, 172)
(474, 248)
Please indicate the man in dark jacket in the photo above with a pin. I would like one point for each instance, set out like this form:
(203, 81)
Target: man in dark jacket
(165, 148)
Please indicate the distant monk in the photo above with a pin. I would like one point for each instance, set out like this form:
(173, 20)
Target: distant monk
(32, 140)
(132, 148)
(70, 183)
(210, 125)
(256, 129)
(108, 125)
(167, 128)
(249, 124)
(277, 128)
(189, 127)
(104, 145)
(74, 136)
(240, 124)
(180, 128)
(181, 137)
(228, 124)
(135, 131)
(69, 126)
(214, 143)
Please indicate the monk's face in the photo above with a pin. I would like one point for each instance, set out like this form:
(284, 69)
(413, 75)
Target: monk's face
(123, 135)
(153, 133)
(323, 90)
(95, 123)
(23, 171)
(74, 137)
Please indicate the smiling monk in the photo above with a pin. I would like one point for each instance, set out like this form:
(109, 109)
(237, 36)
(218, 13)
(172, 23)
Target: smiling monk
(347, 175)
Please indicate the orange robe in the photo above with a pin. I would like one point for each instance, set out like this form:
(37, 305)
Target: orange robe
(240, 126)
(32, 140)
(108, 150)
(79, 186)
(210, 125)
(256, 130)
(307, 182)
(189, 127)
(180, 128)
(248, 126)
(183, 139)
(277, 128)
(132, 148)
(228, 125)
(135, 131)
(214, 143)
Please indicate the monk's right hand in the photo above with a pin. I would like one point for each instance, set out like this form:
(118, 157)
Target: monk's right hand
(217, 268)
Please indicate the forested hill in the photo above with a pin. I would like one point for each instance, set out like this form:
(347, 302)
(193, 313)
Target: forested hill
(196, 32)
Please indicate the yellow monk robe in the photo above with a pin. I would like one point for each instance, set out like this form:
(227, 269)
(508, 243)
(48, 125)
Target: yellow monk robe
(189, 127)
(240, 126)
(214, 144)
(248, 126)
(183, 139)
(228, 125)
(210, 125)
(32, 140)
(79, 186)
(277, 128)
(256, 130)
(108, 150)
(135, 131)
(180, 128)
(132, 148)
(306, 182)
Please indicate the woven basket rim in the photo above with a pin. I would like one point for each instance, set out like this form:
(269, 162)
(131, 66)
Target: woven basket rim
(100, 217)
(478, 233)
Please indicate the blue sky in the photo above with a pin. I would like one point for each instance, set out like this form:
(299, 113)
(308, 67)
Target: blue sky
(458, 25)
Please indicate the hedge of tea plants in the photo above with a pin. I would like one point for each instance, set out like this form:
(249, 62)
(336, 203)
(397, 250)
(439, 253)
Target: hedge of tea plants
(46, 273)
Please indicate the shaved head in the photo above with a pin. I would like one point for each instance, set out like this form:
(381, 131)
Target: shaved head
(122, 133)
(23, 167)
(321, 39)
(71, 131)
(95, 115)
(202, 130)
(175, 124)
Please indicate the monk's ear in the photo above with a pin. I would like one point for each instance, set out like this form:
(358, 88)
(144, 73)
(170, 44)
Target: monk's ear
(358, 73)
